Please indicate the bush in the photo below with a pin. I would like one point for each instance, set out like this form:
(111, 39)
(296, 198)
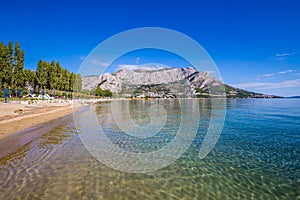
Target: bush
(99, 92)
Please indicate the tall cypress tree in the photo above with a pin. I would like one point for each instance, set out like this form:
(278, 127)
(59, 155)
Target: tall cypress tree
(8, 68)
(72, 81)
(18, 67)
(52, 75)
(48, 74)
(65, 79)
(59, 76)
(2, 64)
(41, 74)
(78, 83)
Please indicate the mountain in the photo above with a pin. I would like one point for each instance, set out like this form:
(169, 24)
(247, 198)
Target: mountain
(294, 97)
(167, 82)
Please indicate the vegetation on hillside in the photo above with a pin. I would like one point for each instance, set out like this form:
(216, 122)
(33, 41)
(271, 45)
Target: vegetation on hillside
(231, 92)
(97, 91)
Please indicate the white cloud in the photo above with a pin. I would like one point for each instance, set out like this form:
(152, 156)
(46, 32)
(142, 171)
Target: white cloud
(149, 67)
(266, 75)
(282, 72)
(286, 71)
(99, 63)
(283, 54)
(262, 85)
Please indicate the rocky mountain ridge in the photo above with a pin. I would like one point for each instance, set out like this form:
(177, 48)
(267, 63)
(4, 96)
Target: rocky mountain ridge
(168, 82)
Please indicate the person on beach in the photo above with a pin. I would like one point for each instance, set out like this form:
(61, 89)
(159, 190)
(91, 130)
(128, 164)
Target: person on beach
(19, 95)
(5, 95)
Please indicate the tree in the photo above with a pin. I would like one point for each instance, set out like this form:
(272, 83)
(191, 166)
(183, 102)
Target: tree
(102, 93)
(52, 80)
(2, 64)
(47, 75)
(72, 81)
(41, 74)
(30, 79)
(107, 93)
(78, 83)
(65, 77)
(18, 67)
(59, 76)
(8, 68)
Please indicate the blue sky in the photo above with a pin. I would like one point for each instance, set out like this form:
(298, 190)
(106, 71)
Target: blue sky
(255, 44)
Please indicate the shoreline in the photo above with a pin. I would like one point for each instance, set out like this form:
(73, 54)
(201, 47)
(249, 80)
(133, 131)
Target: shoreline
(18, 117)
(15, 143)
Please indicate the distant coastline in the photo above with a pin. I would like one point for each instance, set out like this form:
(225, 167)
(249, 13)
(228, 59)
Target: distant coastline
(293, 97)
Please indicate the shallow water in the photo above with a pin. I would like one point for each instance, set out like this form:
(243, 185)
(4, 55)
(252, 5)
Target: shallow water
(256, 157)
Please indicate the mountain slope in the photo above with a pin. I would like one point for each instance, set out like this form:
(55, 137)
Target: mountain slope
(168, 82)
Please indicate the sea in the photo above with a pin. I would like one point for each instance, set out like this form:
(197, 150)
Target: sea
(159, 149)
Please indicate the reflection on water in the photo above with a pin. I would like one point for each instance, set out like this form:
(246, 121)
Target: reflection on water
(257, 156)
(124, 138)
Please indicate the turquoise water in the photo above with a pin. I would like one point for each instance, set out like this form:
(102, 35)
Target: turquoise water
(256, 157)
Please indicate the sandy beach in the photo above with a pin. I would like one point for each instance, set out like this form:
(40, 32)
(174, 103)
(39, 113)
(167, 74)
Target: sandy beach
(15, 117)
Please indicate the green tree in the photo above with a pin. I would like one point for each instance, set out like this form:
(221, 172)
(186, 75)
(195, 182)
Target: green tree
(2, 64)
(102, 93)
(78, 83)
(52, 76)
(72, 81)
(18, 67)
(65, 80)
(107, 93)
(8, 68)
(41, 74)
(59, 76)
(47, 75)
(30, 79)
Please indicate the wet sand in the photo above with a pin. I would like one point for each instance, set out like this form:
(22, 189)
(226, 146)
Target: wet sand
(17, 117)
(15, 143)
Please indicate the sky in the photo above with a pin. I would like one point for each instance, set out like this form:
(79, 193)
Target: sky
(255, 44)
